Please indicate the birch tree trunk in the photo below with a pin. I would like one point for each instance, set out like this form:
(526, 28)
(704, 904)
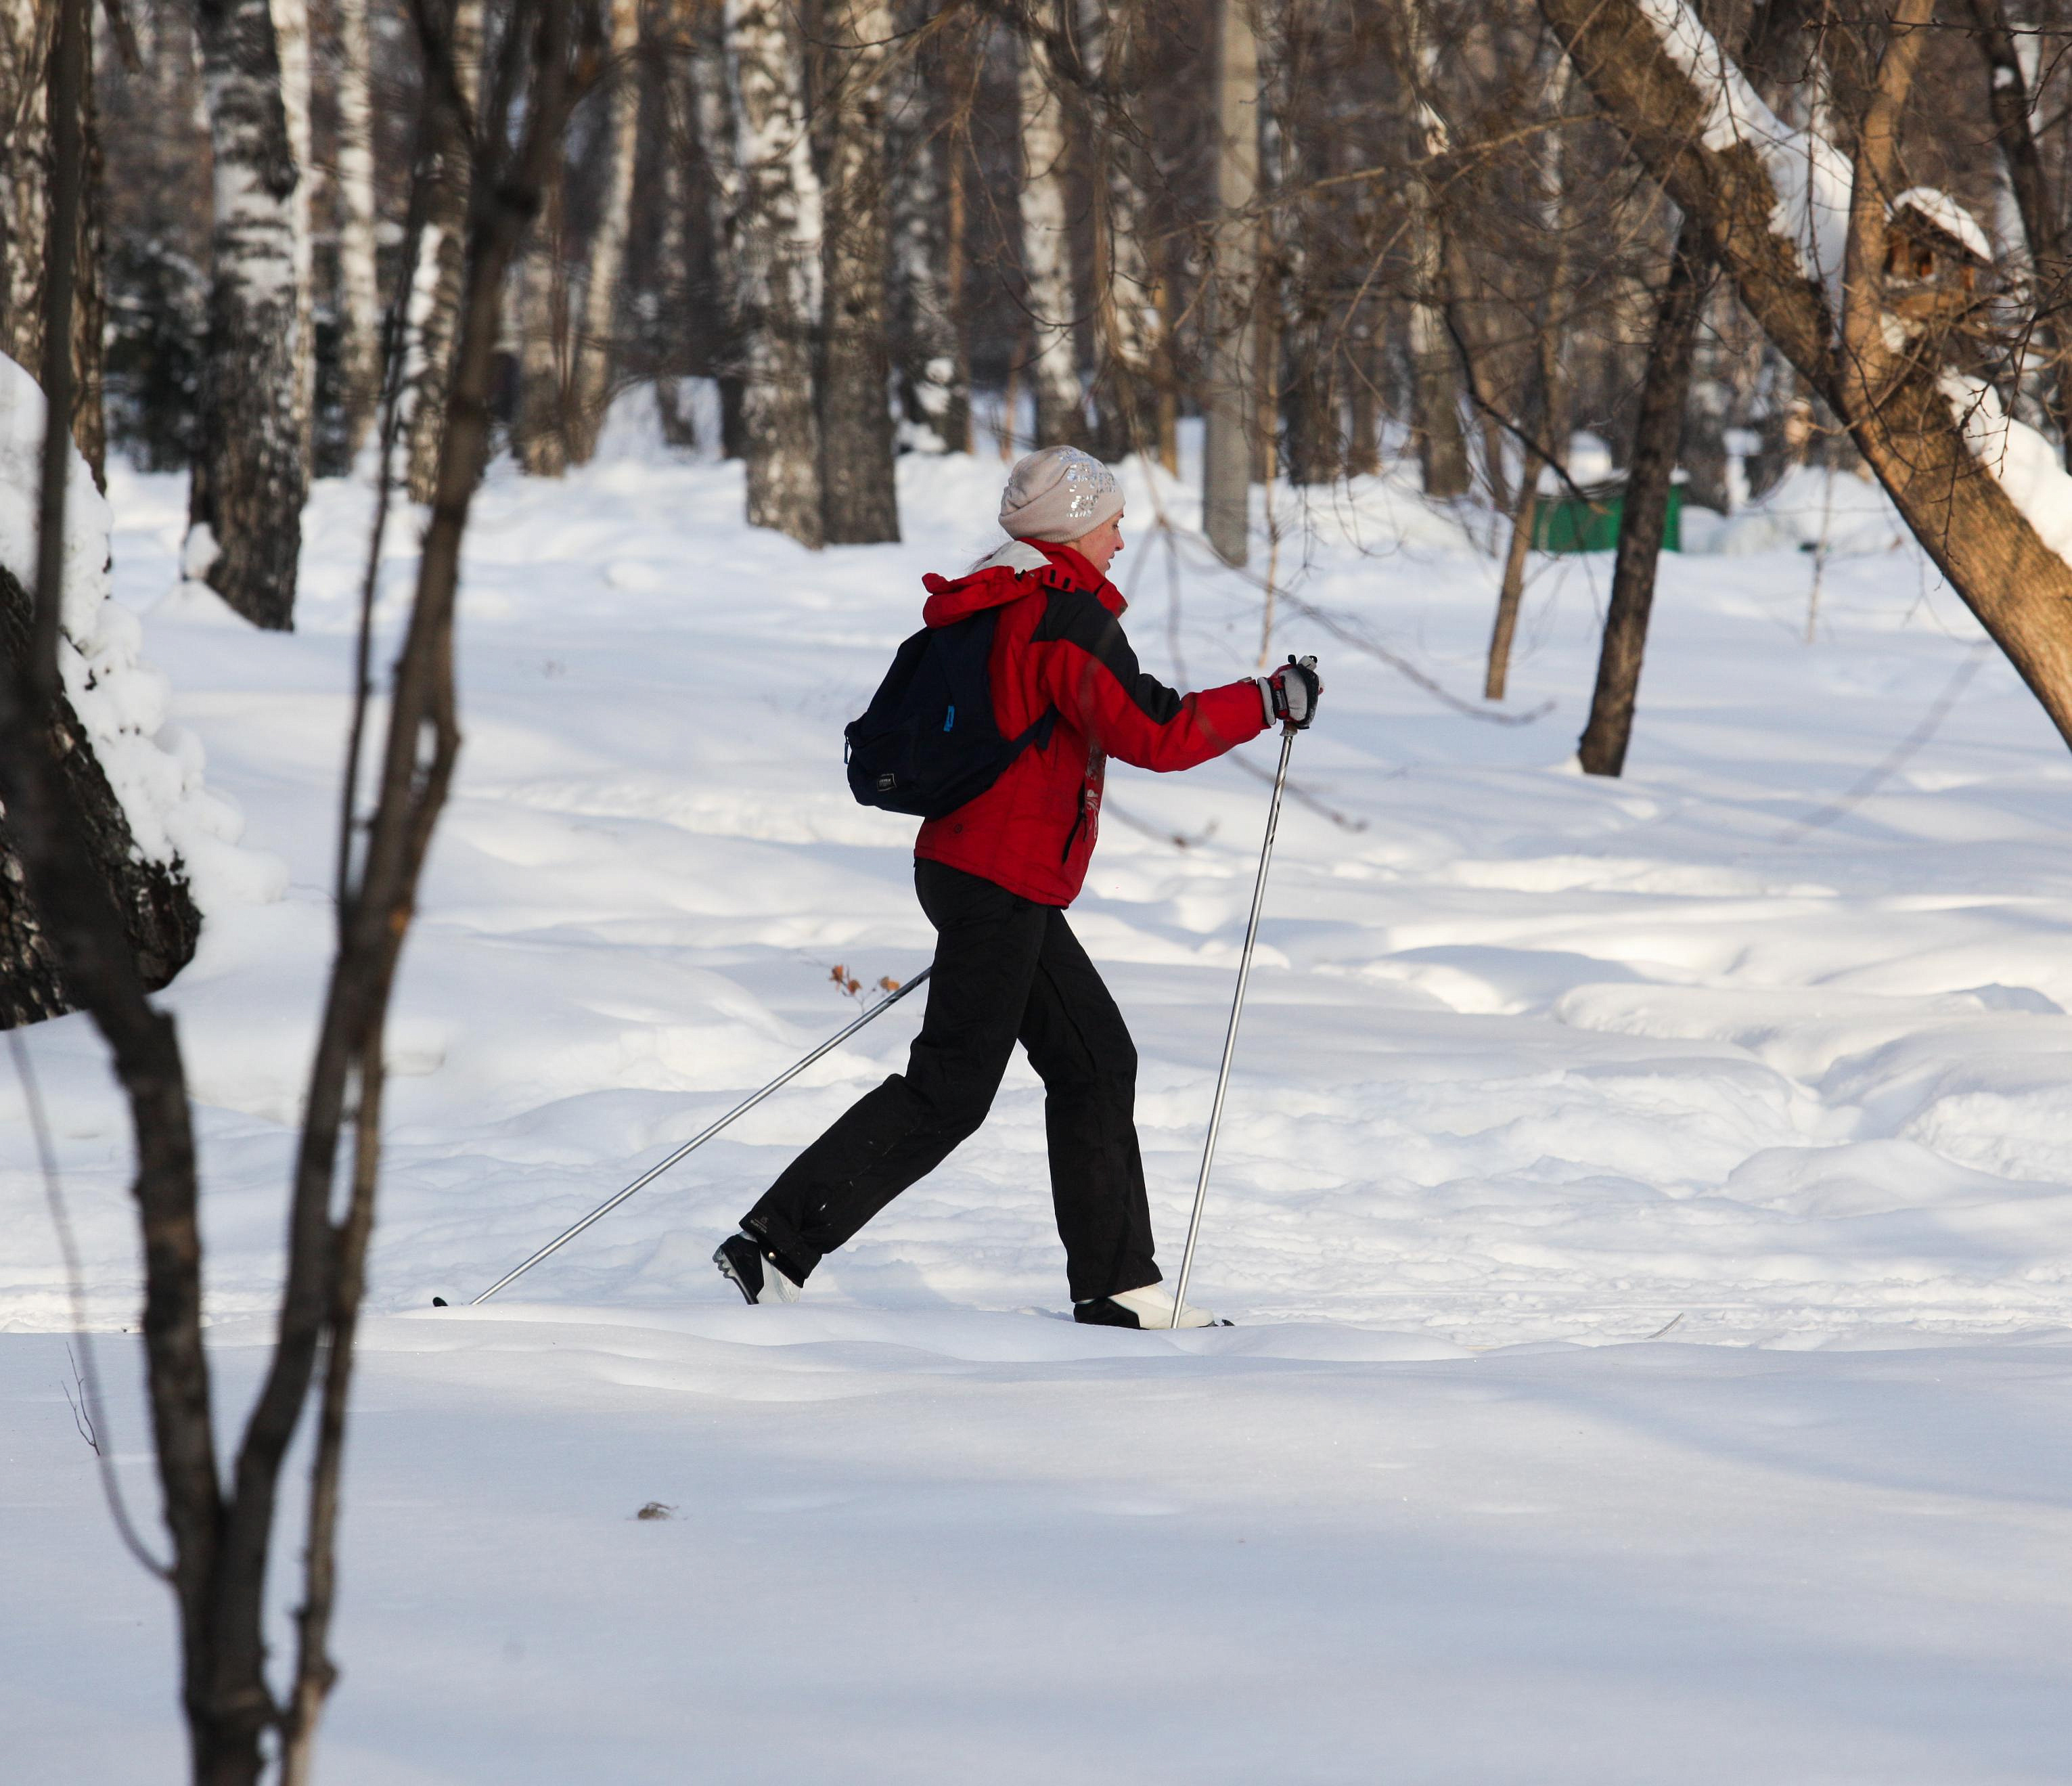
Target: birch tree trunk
(713, 104)
(158, 912)
(246, 500)
(25, 27)
(597, 339)
(1229, 404)
(360, 296)
(776, 251)
(860, 505)
(677, 132)
(1047, 261)
(928, 269)
(1126, 319)
(1888, 390)
(540, 299)
(1442, 447)
(24, 155)
(2014, 98)
(291, 40)
(433, 320)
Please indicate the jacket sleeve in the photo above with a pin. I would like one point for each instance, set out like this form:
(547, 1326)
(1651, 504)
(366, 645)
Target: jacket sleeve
(1086, 668)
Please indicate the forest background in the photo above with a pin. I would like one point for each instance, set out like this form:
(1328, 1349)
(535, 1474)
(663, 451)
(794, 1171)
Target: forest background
(1492, 252)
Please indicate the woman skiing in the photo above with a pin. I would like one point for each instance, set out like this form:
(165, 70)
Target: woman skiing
(994, 878)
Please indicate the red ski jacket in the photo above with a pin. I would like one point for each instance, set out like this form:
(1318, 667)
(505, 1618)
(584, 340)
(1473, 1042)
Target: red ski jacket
(1058, 645)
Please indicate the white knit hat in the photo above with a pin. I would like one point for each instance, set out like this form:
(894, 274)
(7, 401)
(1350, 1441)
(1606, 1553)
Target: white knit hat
(1058, 495)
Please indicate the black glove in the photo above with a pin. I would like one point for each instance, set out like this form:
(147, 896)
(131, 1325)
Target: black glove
(1291, 693)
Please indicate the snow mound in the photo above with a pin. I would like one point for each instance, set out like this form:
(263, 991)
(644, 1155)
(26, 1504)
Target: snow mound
(155, 770)
(1808, 504)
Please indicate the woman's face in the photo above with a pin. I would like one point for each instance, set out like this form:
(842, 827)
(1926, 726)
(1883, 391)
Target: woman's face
(1100, 547)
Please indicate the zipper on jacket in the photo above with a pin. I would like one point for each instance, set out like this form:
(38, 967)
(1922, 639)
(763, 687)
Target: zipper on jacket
(1071, 837)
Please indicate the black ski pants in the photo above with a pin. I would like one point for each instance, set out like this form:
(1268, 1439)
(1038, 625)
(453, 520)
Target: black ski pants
(1007, 970)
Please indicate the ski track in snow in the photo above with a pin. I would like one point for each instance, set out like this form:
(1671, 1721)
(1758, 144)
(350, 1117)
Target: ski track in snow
(1531, 1058)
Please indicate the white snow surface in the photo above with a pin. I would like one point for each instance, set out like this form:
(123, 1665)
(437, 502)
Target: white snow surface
(155, 767)
(1810, 507)
(1764, 1045)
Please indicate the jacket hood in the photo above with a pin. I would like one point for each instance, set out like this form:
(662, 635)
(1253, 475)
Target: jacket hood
(1009, 574)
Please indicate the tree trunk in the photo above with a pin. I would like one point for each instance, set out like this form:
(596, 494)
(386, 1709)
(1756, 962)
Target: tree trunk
(441, 248)
(927, 261)
(1890, 397)
(89, 331)
(671, 297)
(1657, 436)
(358, 283)
(1556, 406)
(1047, 261)
(2013, 101)
(1363, 377)
(860, 504)
(776, 252)
(1442, 446)
(291, 38)
(157, 912)
(590, 386)
(542, 300)
(1125, 315)
(1511, 593)
(25, 153)
(25, 168)
(250, 474)
(712, 108)
(1228, 404)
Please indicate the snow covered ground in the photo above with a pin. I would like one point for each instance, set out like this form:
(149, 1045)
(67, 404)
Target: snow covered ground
(1763, 1045)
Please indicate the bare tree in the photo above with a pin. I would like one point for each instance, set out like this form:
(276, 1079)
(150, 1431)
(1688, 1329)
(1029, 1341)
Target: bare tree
(1230, 402)
(861, 505)
(160, 924)
(222, 1532)
(25, 46)
(540, 301)
(776, 244)
(291, 40)
(432, 318)
(2012, 92)
(1700, 130)
(359, 290)
(1657, 435)
(1551, 444)
(1127, 325)
(245, 505)
(597, 340)
(1442, 447)
(929, 176)
(1047, 261)
(26, 34)
(713, 103)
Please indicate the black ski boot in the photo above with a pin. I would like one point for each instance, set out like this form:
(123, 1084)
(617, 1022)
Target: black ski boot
(1151, 1307)
(753, 1272)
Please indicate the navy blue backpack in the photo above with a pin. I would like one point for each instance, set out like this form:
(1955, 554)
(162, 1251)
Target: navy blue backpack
(927, 743)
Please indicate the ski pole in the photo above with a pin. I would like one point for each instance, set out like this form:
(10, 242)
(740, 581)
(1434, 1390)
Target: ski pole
(705, 1135)
(1230, 1036)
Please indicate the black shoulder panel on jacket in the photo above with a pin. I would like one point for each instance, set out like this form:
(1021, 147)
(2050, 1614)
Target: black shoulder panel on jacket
(1073, 617)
